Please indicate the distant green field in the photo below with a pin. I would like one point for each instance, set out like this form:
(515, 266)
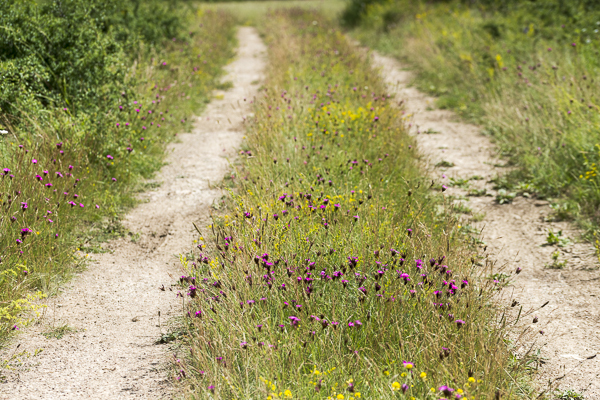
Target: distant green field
(249, 11)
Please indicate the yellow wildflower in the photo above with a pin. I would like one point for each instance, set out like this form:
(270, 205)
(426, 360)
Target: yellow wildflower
(395, 386)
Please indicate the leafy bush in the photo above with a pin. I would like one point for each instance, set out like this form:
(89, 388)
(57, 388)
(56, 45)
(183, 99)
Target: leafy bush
(71, 52)
(355, 10)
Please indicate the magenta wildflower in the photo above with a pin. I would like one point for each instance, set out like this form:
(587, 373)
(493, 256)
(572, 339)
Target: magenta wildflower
(446, 390)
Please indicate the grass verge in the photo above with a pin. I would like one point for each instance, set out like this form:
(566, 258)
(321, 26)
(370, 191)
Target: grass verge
(68, 175)
(336, 273)
(527, 72)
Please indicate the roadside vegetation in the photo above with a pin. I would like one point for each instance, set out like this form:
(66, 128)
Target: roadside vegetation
(90, 94)
(251, 12)
(527, 71)
(337, 271)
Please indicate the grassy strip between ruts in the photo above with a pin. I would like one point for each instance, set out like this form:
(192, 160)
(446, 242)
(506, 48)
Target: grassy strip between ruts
(528, 72)
(337, 273)
(63, 188)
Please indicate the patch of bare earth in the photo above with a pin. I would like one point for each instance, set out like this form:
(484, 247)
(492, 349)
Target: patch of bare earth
(515, 235)
(114, 306)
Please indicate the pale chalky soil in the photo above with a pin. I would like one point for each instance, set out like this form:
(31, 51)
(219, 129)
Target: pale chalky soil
(515, 234)
(114, 305)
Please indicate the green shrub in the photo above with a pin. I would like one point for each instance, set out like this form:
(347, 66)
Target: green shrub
(355, 10)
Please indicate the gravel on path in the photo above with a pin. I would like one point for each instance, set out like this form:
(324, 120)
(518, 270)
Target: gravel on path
(114, 305)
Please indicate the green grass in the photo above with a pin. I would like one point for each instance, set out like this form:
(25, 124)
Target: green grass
(58, 332)
(568, 395)
(527, 74)
(67, 187)
(335, 271)
(250, 12)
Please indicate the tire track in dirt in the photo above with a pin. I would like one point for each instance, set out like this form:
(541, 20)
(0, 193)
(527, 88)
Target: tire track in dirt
(114, 305)
(515, 235)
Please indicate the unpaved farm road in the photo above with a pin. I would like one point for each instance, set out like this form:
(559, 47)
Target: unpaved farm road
(114, 305)
(515, 234)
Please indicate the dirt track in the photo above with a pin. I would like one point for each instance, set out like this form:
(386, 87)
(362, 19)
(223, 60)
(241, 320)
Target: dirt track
(114, 305)
(516, 234)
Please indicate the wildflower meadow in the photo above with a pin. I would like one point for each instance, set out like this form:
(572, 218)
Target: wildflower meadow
(337, 270)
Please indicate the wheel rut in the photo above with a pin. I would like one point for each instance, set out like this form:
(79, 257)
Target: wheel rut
(113, 307)
(515, 235)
